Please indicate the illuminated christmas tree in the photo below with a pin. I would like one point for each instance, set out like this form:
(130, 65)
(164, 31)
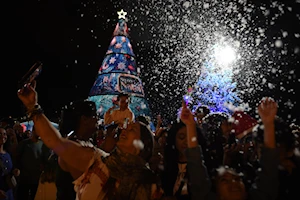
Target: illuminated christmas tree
(216, 89)
(119, 74)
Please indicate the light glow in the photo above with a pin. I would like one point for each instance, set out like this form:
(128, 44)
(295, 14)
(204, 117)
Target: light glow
(224, 55)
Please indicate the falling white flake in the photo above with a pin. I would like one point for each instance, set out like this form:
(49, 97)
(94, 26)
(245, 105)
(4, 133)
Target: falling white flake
(221, 170)
(186, 4)
(194, 139)
(138, 144)
(206, 5)
(278, 43)
(271, 86)
(180, 35)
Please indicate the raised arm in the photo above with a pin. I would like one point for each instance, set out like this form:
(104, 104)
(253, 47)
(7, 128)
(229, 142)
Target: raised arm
(267, 111)
(158, 124)
(187, 118)
(72, 153)
(200, 183)
(267, 182)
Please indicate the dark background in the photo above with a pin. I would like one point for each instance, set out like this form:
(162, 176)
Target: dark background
(72, 47)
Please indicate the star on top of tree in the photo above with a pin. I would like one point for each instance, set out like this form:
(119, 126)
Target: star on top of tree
(122, 14)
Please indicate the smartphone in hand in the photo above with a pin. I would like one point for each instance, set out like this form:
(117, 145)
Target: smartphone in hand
(31, 74)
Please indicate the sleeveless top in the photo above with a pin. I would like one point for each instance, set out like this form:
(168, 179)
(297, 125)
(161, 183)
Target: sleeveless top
(89, 185)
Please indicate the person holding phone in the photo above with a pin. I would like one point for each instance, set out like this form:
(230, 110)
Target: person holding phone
(121, 174)
(31, 74)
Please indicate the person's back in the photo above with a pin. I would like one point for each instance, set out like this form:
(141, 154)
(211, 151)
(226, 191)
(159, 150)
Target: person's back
(289, 166)
(289, 181)
(64, 185)
(30, 160)
(29, 154)
(46, 187)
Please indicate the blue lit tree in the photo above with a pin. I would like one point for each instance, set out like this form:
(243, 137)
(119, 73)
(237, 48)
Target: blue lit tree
(215, 88)
(119, 74)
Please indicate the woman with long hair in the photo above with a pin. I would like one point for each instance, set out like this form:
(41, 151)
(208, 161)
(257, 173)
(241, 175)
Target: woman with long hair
(122, 174)
(175, 179)
(6, 169)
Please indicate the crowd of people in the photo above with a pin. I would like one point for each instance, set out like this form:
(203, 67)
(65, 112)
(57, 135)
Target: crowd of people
(200, 155)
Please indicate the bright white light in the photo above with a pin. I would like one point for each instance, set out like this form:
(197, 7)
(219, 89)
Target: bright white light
(224, 55)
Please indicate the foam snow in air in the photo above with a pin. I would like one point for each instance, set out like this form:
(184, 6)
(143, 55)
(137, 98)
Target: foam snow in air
(173, 39)
(278, 43)
(186, 4)
(138, 144)
(221, 170)
(194, 139)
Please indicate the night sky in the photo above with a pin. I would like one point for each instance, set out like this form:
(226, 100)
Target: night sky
(71, 37)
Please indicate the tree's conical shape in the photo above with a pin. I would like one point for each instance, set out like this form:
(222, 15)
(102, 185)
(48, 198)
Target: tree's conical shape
(118, 74)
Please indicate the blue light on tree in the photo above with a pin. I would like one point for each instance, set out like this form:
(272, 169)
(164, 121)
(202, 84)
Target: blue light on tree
(215, 87)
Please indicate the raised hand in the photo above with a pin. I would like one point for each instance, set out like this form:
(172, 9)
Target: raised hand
(186, 115)
(28, 95)
(267, 110)
(187, 118)
(159, 120)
